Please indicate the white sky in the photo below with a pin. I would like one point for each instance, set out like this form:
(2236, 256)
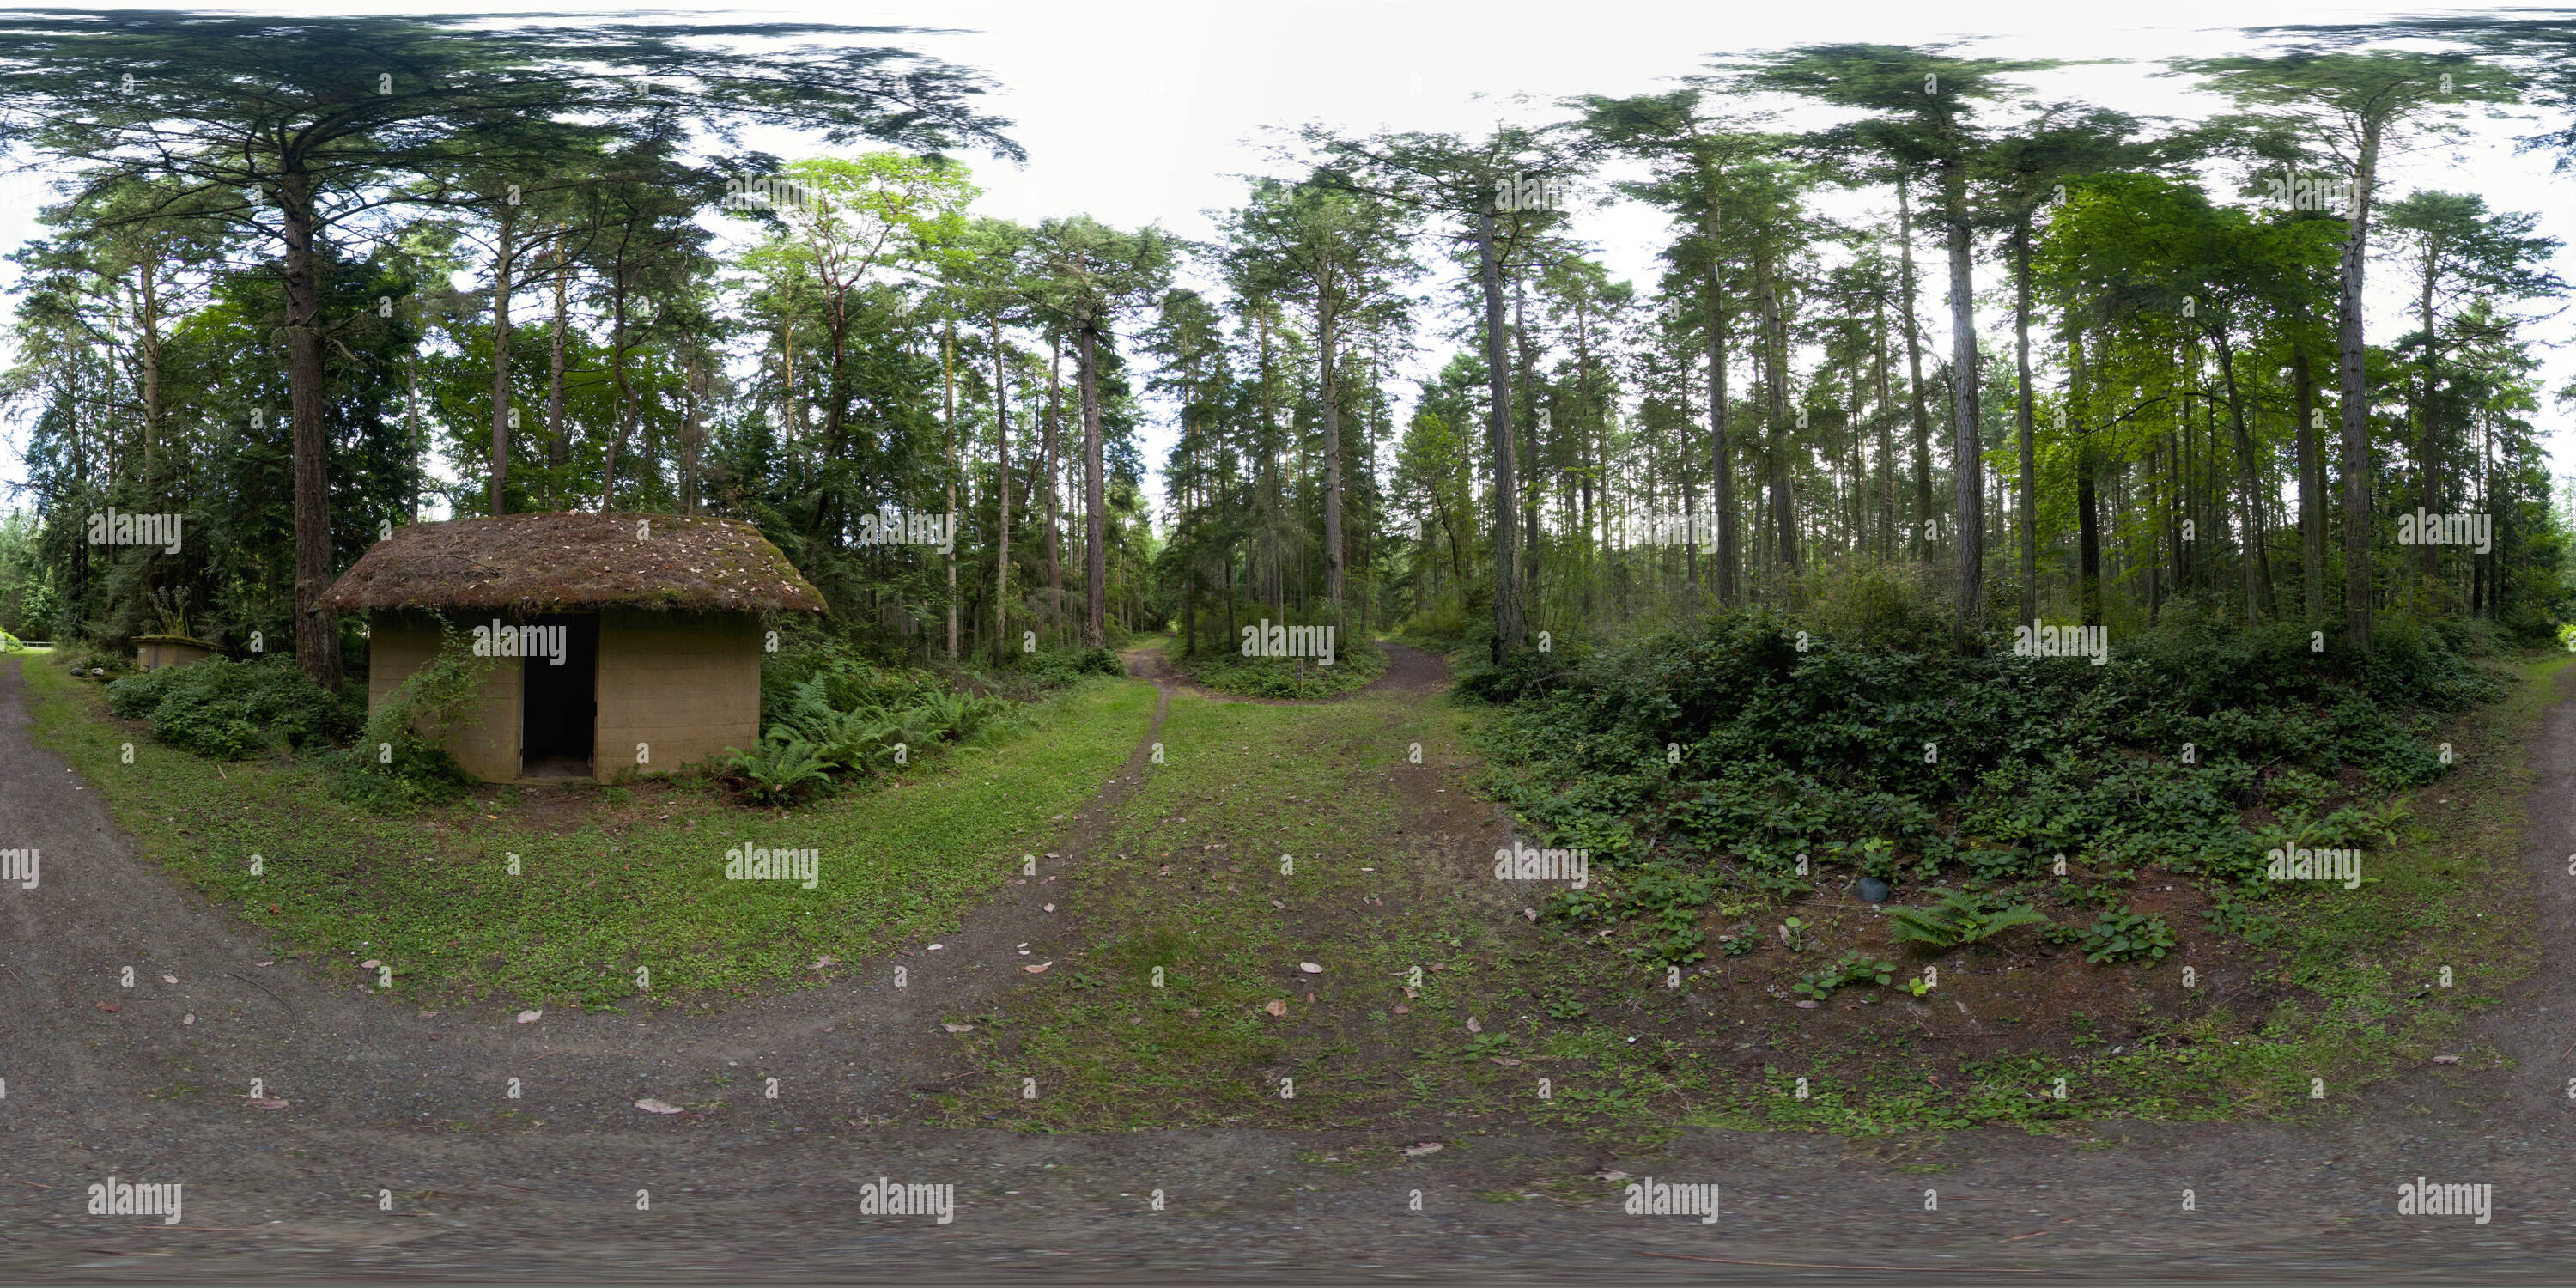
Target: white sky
(1145, 112)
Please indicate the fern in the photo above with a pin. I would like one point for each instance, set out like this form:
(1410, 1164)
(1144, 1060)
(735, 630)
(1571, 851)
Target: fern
(1957, 919)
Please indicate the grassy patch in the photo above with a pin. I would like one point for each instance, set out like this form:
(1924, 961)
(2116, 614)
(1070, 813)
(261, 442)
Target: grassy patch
(611, 878)
(1357, 663)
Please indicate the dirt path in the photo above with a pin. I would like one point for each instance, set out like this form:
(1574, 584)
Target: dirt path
(483, 1186)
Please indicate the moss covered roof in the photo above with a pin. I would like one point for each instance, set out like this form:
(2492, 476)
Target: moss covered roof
(545, 562)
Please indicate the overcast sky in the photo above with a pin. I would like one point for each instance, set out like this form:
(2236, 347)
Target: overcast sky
(1145, 112)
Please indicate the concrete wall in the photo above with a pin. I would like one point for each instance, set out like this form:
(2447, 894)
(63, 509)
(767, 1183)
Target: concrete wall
(685, 684)
(485, 739)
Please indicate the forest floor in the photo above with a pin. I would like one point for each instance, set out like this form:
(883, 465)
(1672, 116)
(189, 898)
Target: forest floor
(1094, 1124)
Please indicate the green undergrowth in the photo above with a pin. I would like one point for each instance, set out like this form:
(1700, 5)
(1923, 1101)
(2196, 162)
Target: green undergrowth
(1357, 662)
(611, 878)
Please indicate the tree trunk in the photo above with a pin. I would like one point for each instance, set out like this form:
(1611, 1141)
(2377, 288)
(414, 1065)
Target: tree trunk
(2312, 519)
(1002, 480)
(317, 629)
(1918, 532)
(692, 436)
(1509, 622)
(2353, 386)
(1332, 410)
(2257, 560)
(1721, 464)
(1055, 517)
(558, 449)
(1967, 458)
(948, 375)
(504, 256)
(2026, 424)
(1095, 499)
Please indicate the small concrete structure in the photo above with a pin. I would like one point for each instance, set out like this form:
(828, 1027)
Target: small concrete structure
(622, 642)
(152, 652)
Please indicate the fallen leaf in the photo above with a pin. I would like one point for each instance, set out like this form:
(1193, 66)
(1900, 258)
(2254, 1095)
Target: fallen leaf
(426, 1014)
(1280, 906)
(1048, 908)
(2446, 1059)
(1531, 913)
(1310, 968)
(1277, 1006)
(652, 1106)
(169, 979)
(1426, 1147)
(2019, 1237)
(266, 1102)
(1610, 1174)
(1413, 992)
(369, 964)
(529, 1017)
(1506, 1062)
(1402, 1009)
(190, 1020)
(109, 1007)
(1039, 969)
(826, 960)
(1473, 1026)
(958, 1028)
(1806, 1006)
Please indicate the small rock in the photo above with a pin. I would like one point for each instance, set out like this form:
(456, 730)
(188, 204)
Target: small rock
(1806, 1006)
(169, 979)
(1610, 1174)
(1039, 969)
(1873, 890)
(958, 1028)
(1050, 908)
(190, 1020)
(652, 1106)
(2446, 1059)
(1277, 1006)
(1402, 1009)
(369, 964)
(530, 1017)
(266, 1102)
(1473, 1026)
(1426, 1147)
(1310, 968)
(1506, 1062)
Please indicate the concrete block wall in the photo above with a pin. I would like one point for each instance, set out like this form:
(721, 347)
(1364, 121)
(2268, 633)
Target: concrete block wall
(686, 684)
(485, 739)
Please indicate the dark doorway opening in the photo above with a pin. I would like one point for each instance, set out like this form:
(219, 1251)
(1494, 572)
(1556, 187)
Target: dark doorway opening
(559, 705)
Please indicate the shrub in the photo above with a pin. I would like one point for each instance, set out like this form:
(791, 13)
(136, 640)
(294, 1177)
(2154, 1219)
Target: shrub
(230, 710)
(399, 762)
(1855, 967)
